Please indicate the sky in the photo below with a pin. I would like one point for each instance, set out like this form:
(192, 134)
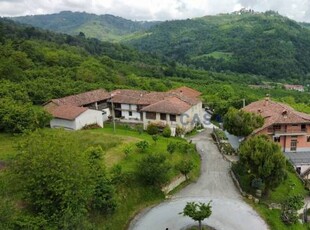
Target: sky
(298, 10)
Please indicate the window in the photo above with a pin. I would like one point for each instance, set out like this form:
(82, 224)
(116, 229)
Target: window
(277, 127)
(173, 117)
(276, 139)
(163, 116)
(150, 116)
(308, 138)
(303, 127)
(130, 113)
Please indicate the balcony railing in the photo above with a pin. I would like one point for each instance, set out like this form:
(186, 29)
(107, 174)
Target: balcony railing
(288, 130)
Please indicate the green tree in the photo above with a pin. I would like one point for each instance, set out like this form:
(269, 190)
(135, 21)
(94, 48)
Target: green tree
(171, 147)
(185, 167)
(142, 146)
(241, 123)
(103, 195)
(197, 211)
(290, 207)
(155, 138)
(153, 169)
(264, 159)
(59, 182)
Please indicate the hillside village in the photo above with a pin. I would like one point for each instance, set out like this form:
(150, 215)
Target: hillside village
(100, 135)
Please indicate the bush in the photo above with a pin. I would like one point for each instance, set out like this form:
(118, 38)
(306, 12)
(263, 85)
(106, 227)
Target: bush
(290, 207)
(185, 167)
(179, 131)
(167, 131)
(153, 169)
(143, 146)
(171, 147)
(152, 129)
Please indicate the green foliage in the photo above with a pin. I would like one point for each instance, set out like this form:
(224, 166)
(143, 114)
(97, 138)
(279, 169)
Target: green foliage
(197, 211)
(45, 170)
(260, 43)
(185, 167)
(155, 138)
(143, 146)
(264, 159)
(167, 131)
(241, 123)
(171, 147)
(127, 150)
(104, 27)
(103, 194)
(18, 117)
(290, 207)
(153, 169)
(152, 129)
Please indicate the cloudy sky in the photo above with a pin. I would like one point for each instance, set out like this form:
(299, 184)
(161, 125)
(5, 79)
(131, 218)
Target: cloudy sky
(155, 9)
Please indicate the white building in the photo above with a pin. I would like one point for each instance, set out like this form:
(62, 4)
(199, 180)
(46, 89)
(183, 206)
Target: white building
(75, 118)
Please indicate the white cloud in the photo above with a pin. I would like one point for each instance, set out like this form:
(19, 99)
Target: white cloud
(155, 9)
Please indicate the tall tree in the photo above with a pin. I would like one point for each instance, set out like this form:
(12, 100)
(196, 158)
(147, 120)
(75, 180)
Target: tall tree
(241, 123)
(264, 159)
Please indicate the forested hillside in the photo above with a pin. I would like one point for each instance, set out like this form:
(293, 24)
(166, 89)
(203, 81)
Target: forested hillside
(104, 27)
(259, 43)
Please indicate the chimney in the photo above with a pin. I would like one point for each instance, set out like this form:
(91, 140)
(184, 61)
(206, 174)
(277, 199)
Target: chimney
(284, 113)
(267, 99)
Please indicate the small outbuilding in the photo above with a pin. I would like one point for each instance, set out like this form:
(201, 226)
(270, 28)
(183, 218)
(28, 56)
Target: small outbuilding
(75, 118)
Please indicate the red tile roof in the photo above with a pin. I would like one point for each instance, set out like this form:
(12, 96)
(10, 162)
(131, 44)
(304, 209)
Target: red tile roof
(171, 105)
(276, 113)
(139, 97)
(189, 92)
(83, 98)
(67, 112)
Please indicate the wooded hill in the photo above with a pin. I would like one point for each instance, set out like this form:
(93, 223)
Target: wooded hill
(104, 27)
(258, 43)
(265, 44)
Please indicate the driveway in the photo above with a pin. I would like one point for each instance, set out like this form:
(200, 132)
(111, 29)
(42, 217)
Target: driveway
(229, 211)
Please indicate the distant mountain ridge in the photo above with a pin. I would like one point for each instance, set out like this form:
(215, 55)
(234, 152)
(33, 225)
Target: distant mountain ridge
(244, 42)
(104, 27)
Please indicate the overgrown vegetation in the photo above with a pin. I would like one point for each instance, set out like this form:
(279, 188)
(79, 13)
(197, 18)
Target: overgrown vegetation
(117, 194)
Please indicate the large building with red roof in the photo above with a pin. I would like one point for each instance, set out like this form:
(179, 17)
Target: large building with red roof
(289, 128)
(177, 108)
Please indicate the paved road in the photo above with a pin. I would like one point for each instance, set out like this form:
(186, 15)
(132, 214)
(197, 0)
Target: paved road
(215, 183)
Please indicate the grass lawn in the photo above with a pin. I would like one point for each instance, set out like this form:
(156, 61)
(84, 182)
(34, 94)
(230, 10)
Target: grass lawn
(131, 195)
(273, 219)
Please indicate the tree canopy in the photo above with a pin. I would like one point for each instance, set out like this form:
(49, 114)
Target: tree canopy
(264, 159)
(59, 183)
(241, 123)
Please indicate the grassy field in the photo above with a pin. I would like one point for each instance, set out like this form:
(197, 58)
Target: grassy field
(132, 196)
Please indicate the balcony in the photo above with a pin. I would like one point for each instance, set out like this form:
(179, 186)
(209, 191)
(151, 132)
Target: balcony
(297, 131)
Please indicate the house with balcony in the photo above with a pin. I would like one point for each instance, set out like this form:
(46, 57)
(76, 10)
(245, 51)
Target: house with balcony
(287, 127)
(175, 108)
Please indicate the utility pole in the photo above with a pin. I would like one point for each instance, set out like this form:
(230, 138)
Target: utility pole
(113, 116)
(243, 100)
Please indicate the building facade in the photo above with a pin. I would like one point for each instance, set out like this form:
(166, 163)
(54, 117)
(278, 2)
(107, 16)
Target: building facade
(287, 127)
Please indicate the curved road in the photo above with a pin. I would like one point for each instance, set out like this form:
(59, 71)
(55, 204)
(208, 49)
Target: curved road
(229, 211)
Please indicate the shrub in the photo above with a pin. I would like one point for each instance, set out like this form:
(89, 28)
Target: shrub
(152, 129)
(167, 131)
(179, 131)
(142, 145)
(153, 170)
(290, 207)
(171, 147)
(127, 150)
(155, 138)
(185, 167)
